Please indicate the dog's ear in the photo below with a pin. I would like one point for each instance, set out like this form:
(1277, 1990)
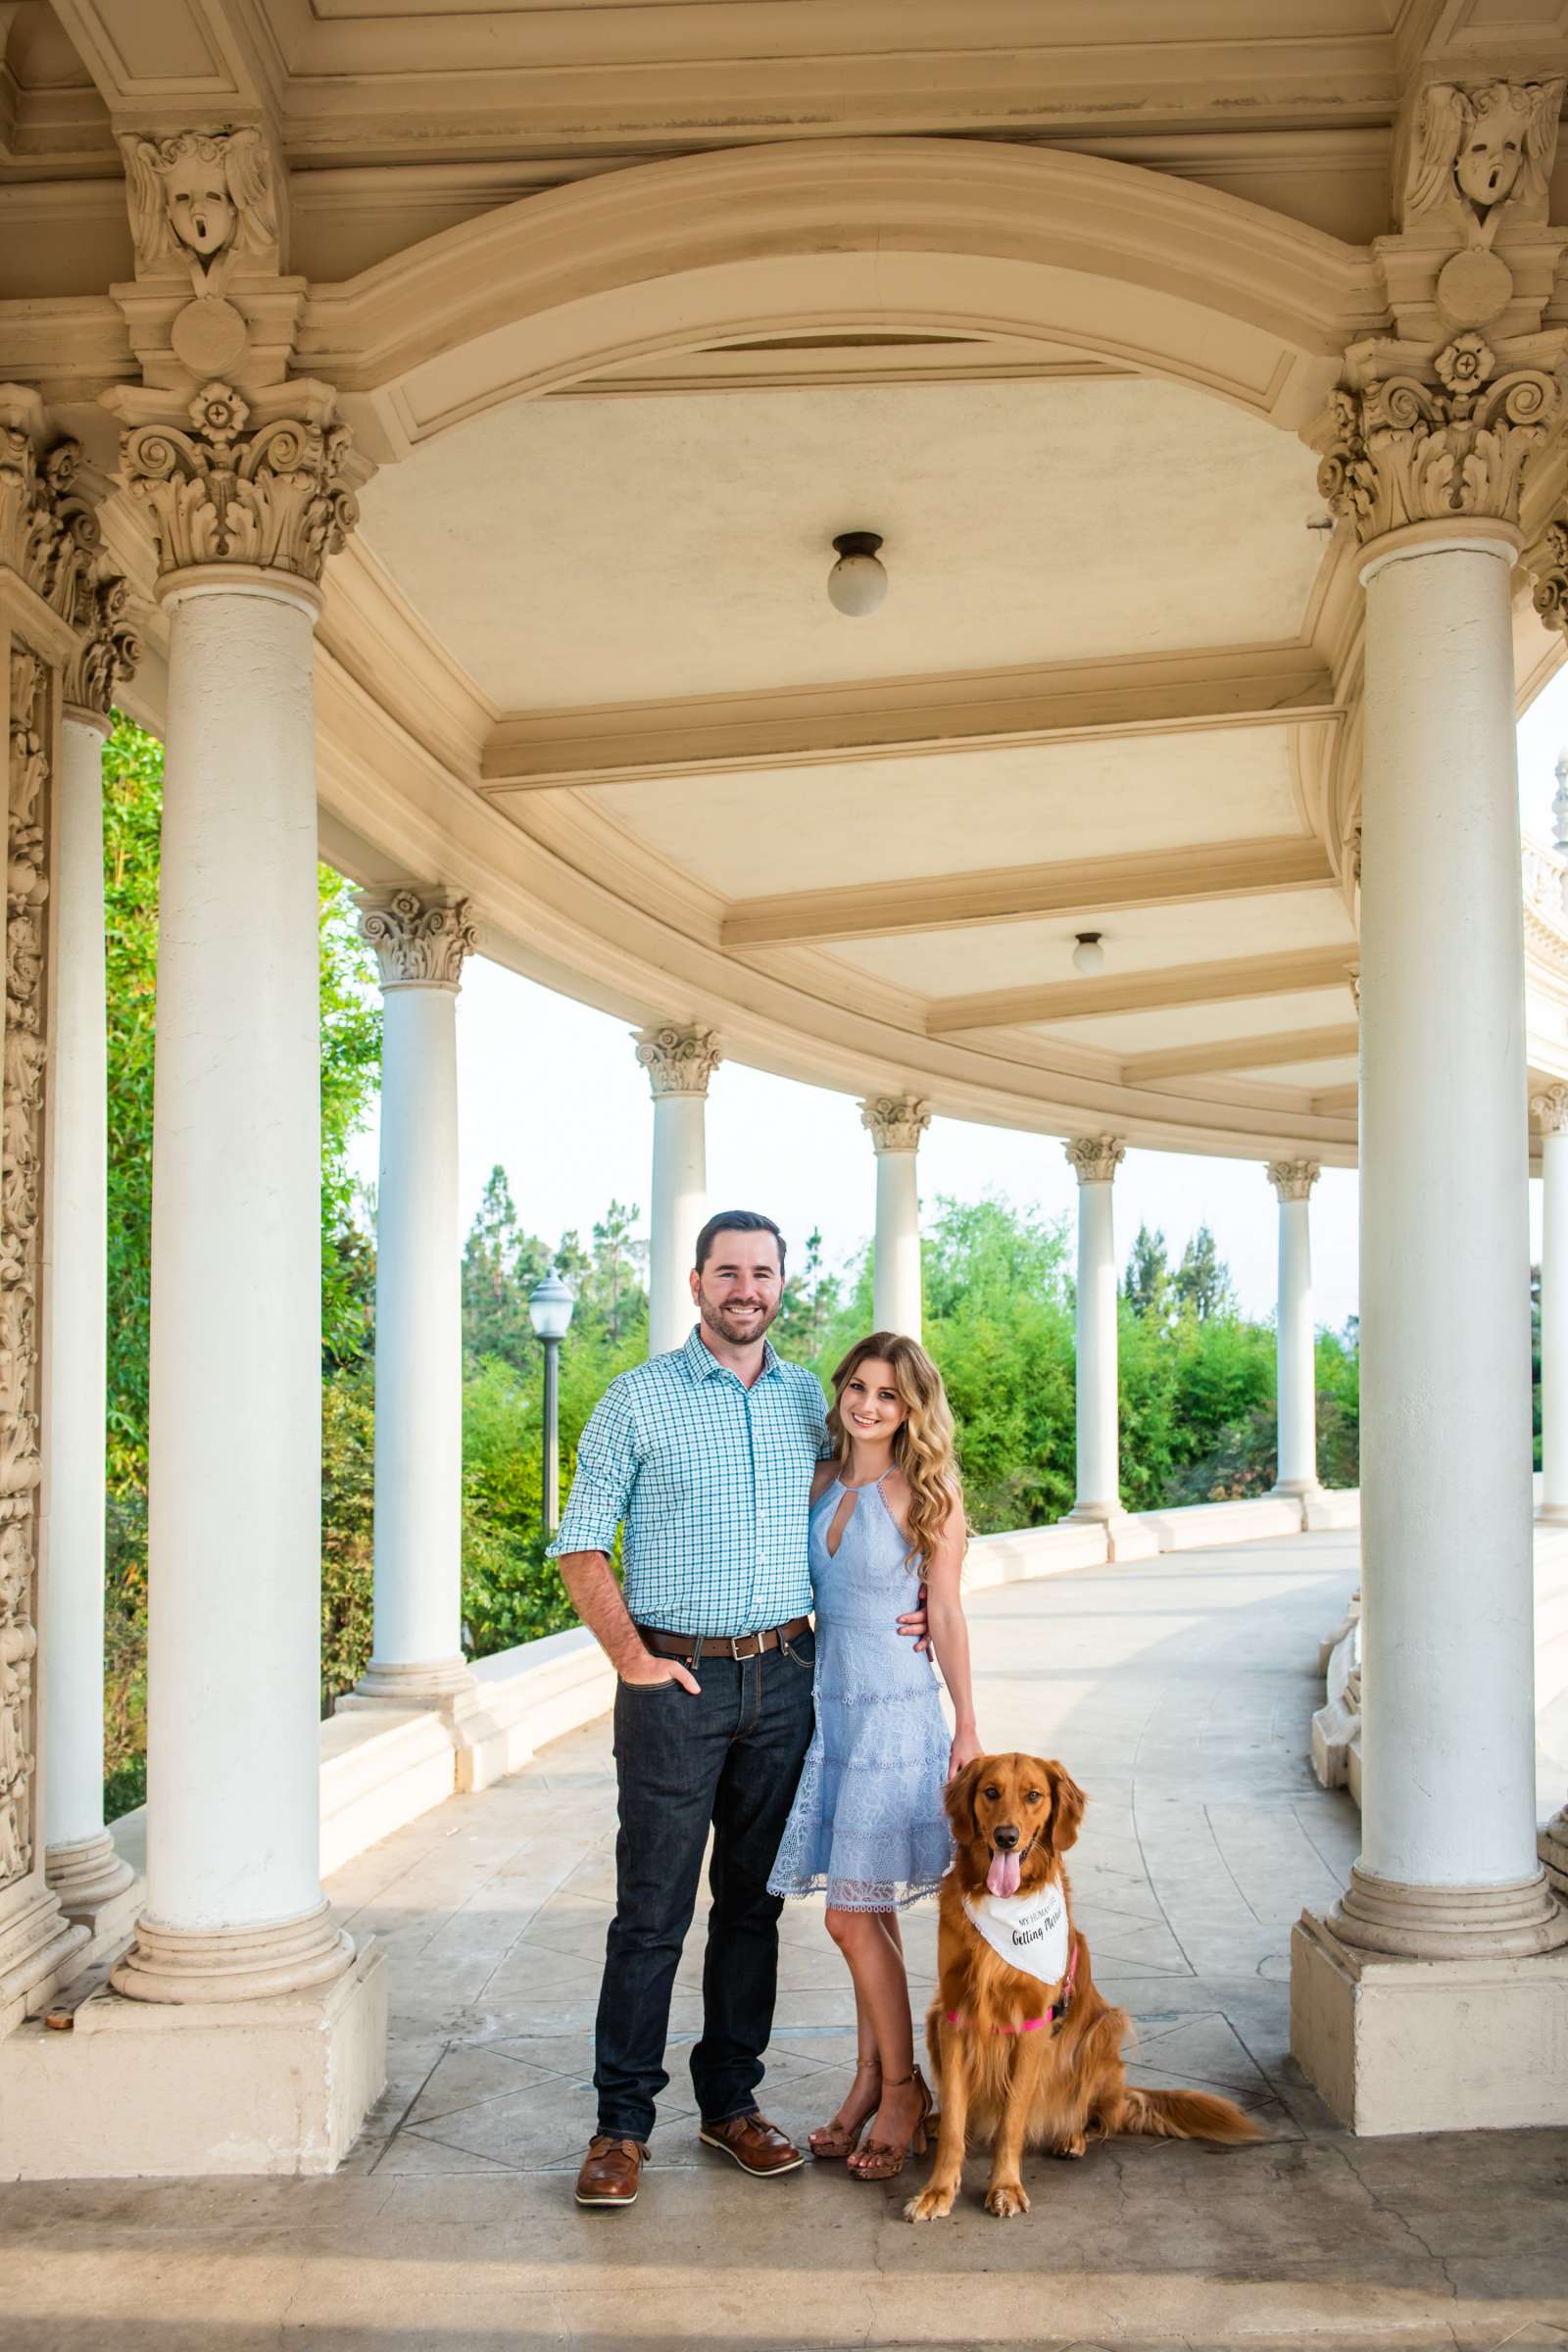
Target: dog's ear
(958, 1798)
(1066, 1808)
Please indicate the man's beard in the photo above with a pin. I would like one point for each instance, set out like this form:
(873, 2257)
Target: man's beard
(737, 1329)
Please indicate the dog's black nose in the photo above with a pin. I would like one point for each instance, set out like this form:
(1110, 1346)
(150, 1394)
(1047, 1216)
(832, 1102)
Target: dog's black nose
(1006, 1837)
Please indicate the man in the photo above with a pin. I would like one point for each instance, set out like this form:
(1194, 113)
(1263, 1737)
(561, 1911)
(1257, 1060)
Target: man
(707, 1454)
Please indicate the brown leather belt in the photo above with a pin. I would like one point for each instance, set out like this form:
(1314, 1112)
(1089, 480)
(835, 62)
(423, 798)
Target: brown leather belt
(721, 1645)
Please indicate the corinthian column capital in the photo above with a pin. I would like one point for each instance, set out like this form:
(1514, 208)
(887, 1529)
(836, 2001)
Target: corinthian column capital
(1438, 441)
(265, 479)
(421, 937)
(678, 1060)
(895, 1122)
(1548, 1111)
(1293, 1179)
(1095, 1158)
(50, 536)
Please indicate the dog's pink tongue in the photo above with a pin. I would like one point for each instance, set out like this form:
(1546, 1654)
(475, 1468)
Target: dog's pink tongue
(1003, 1875)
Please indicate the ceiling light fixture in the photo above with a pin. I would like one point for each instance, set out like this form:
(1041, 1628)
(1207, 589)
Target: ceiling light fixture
(857, 584)
(1088, 956)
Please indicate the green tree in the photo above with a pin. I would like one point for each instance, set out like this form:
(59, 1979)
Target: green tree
(1203, 1280)
(1148, 1285)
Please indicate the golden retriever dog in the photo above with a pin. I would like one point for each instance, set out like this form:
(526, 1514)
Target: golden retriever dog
(1027, 2052)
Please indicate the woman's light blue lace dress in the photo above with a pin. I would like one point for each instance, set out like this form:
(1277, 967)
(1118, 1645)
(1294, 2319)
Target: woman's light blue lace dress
(868, 1823)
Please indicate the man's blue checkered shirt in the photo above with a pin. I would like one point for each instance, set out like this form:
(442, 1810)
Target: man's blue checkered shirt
(714, 1481)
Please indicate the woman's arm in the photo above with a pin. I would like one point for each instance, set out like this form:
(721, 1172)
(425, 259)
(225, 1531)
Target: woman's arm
(949, 1634)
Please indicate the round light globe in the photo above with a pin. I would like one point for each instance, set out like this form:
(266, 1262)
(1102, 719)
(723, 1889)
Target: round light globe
(550, 1305)
(1088, 956)
(857, 584)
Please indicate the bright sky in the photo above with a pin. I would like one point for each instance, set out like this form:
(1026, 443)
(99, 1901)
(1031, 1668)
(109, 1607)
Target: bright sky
(551, 1092)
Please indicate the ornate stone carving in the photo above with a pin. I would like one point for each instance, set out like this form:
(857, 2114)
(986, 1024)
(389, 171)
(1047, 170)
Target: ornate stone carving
(896, 1122)
(678, 1061)
(1482, 152)
(1095, 1158)
(279, 495)
(1548, 1111)
(20, 1184)
(1293, 1179)
(198, 200)
(50, 537)
(1401, 449)
(421, 937)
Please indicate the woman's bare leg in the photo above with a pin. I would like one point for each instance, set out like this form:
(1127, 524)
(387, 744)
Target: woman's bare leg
(874, 1955)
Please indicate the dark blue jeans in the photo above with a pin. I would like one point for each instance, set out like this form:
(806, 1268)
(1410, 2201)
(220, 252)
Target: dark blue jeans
(729, 1760)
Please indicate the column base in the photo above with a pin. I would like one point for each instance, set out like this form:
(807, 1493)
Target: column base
(137, 2088)
(482, 1751)
(429, 1683)
(1395, 2046)
(1126, 1537)
(89, 1878)
(233, 1964)
(1512, 1922)
(40, 1952)
(1552, 1514)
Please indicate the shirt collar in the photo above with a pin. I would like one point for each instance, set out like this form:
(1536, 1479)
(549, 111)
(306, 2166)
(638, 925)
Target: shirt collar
(701, 1363)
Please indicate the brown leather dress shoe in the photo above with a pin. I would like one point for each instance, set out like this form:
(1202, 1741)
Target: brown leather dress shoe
(610, 2171)
(758, 2146)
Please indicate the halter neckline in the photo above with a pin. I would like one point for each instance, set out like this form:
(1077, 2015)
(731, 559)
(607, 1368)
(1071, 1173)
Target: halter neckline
(867, 1487)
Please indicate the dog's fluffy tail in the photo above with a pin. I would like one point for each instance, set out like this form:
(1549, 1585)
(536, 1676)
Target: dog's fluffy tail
(1183, 2115)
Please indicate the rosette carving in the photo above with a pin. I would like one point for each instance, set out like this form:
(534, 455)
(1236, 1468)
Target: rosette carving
(21, 1189)
(421, 937)
(1095, 1158)
(896, 1122)
(279, 497)
(1293, 1179)
(678, 1061)
(1403, 451)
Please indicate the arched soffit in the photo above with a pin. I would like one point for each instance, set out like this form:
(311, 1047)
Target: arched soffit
(901, 236)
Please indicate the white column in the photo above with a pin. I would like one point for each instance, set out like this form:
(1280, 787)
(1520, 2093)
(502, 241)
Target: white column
(421, 939)
(235, 1903)
(1449, 1850)
(1550, 1115)
(1294, 1335)
(896, 1124)
(1094, 1159)
(83, 1865)
(679, 1061)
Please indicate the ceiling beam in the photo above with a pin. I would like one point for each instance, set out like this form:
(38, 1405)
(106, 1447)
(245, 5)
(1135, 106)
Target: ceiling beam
(1337, 1098)
(1172, 985)
(1242, 1053)
(901, 719)
(1224, 869)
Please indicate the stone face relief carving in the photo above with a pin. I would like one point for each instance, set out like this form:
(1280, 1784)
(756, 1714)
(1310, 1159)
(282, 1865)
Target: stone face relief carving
(278, 497)
(1403, 451)
(199, 200)
(1483, 152)
(678, 1061)
(21, 1180)
(420, 938)
(1293, 1179)
(1095, 1158)
(896, 1122)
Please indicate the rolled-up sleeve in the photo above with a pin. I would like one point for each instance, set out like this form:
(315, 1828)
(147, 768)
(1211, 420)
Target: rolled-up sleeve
(606, 1468)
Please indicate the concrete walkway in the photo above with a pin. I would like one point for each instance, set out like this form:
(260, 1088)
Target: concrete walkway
(1179, 1692)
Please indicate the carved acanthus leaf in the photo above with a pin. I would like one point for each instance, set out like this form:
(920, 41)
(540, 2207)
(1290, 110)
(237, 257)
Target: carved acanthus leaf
(678, 1060)
(1403, 451)
(1293, 1179)
(896, 1122)
(50, 537)
(1095, 1158)
(279, 496)
(1548, 1111)
(421, 937)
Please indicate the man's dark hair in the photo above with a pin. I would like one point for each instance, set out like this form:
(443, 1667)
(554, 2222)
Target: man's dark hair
(736, 1220)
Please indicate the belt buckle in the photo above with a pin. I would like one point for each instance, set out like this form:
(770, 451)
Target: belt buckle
(735, 1652)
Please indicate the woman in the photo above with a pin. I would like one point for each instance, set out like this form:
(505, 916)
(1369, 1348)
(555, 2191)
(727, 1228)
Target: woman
(868, 1823)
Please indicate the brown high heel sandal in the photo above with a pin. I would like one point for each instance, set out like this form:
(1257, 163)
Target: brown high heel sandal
(880, 2160)
(831, 2143)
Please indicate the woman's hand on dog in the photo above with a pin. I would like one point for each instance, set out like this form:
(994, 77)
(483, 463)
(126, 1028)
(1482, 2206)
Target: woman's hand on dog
(965, 1747)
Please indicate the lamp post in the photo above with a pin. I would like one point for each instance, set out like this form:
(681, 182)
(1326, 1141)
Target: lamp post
(550, 1305)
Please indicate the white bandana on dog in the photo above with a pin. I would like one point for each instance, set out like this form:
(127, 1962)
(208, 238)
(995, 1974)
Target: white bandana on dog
(1029, 1931)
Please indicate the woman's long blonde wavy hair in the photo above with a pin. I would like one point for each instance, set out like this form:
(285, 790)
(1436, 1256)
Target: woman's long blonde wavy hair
(923, 1444)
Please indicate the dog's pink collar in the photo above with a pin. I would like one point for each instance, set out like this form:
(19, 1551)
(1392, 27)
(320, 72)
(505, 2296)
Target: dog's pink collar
(1032, 2025)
